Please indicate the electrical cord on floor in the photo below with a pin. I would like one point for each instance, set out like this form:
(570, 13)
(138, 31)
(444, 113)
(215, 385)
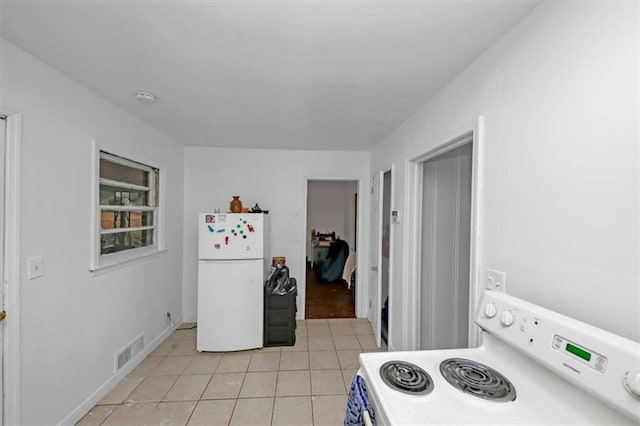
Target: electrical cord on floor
(187, 328)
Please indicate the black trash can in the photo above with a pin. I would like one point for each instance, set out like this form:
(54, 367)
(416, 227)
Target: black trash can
(280, 317)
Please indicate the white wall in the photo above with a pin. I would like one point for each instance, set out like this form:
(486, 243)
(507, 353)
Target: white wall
(331, 207)
(276, 180)
(559, 93)
(72, 324)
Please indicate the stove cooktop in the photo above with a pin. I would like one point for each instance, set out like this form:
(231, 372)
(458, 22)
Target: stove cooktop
(406, 377)
(542, 397)
(534, 366)
(477, 379)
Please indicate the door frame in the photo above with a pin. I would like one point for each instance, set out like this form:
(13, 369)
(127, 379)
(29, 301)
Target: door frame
(10, 281)
(362, 280)
(471, 132)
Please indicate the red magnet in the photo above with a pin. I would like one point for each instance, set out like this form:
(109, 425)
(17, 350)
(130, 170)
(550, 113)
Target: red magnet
(226, 240)
(250, 228)
(217, 246)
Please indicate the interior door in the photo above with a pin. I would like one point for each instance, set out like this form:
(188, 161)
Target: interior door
(445, 263)
(3, 288)
(385, 255)
(375, 304)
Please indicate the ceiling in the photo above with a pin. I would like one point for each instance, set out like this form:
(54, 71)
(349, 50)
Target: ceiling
(323, 75)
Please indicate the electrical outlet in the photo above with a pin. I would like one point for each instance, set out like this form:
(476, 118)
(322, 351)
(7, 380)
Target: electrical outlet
(35, 267)
(496, 280)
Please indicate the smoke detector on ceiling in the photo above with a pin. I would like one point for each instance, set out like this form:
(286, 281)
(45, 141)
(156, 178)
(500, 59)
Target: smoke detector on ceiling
(145, 96)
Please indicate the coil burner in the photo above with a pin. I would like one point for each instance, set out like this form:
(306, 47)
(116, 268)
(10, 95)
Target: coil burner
(477, 379)
(406, 377)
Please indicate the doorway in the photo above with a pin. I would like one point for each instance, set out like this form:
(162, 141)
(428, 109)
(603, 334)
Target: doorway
(445, 250)
(412, 294)
(330, 248)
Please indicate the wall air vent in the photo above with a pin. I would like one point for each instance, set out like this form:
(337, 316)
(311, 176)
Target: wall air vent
(128, 352)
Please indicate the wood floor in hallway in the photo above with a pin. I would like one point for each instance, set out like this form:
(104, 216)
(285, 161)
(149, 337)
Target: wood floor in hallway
(328, 300)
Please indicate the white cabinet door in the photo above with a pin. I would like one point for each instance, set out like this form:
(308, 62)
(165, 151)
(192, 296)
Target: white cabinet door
(230, 305)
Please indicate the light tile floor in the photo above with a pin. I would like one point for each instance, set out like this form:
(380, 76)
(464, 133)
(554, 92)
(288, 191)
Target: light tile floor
(305, 384)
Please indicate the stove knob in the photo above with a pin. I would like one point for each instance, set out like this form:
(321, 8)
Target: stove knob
(507, 319)
(632, 383)
(490, 310)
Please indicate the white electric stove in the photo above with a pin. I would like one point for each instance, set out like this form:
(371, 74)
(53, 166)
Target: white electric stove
(534, 366)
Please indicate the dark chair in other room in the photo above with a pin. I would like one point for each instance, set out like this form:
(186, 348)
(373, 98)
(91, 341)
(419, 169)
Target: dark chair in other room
(330, 268)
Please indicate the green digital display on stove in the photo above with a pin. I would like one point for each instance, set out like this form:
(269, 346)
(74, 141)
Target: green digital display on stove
(578, 352)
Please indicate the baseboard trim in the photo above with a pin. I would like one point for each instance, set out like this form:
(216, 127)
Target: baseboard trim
(77, 413)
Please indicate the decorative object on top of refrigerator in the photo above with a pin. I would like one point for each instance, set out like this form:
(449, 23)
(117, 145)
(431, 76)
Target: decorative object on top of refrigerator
(235, 206)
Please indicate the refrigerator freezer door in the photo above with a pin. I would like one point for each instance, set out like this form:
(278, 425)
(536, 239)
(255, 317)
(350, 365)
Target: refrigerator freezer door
(230, 305)
(230, 236)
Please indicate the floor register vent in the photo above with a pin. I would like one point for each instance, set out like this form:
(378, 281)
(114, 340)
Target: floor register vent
(128, 352)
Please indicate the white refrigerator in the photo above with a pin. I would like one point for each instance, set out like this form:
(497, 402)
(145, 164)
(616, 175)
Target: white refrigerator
(233, 260)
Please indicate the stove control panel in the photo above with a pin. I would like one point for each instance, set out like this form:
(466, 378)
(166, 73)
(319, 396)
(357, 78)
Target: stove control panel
(580, 353)
(599, 362)
(490, 310)
(632, 383)
(507, 318)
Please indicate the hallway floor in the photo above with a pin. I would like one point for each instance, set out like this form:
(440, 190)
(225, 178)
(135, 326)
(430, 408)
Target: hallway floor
(328, 300)
(305, 384)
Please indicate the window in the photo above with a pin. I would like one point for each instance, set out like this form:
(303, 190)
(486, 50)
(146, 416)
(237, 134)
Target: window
(127, 214)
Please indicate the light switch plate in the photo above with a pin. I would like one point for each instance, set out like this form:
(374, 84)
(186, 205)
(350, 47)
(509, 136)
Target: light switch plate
(496, 280)
(35, 267)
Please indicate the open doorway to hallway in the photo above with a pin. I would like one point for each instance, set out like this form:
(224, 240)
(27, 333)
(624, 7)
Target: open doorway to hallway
(331, 248)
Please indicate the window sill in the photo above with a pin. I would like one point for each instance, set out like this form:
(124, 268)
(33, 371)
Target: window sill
(109, 265)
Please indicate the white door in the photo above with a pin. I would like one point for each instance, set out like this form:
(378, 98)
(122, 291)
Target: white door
(446, 242)
(385, 255)
(375, 303)
(3, 288)
(230, 305)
